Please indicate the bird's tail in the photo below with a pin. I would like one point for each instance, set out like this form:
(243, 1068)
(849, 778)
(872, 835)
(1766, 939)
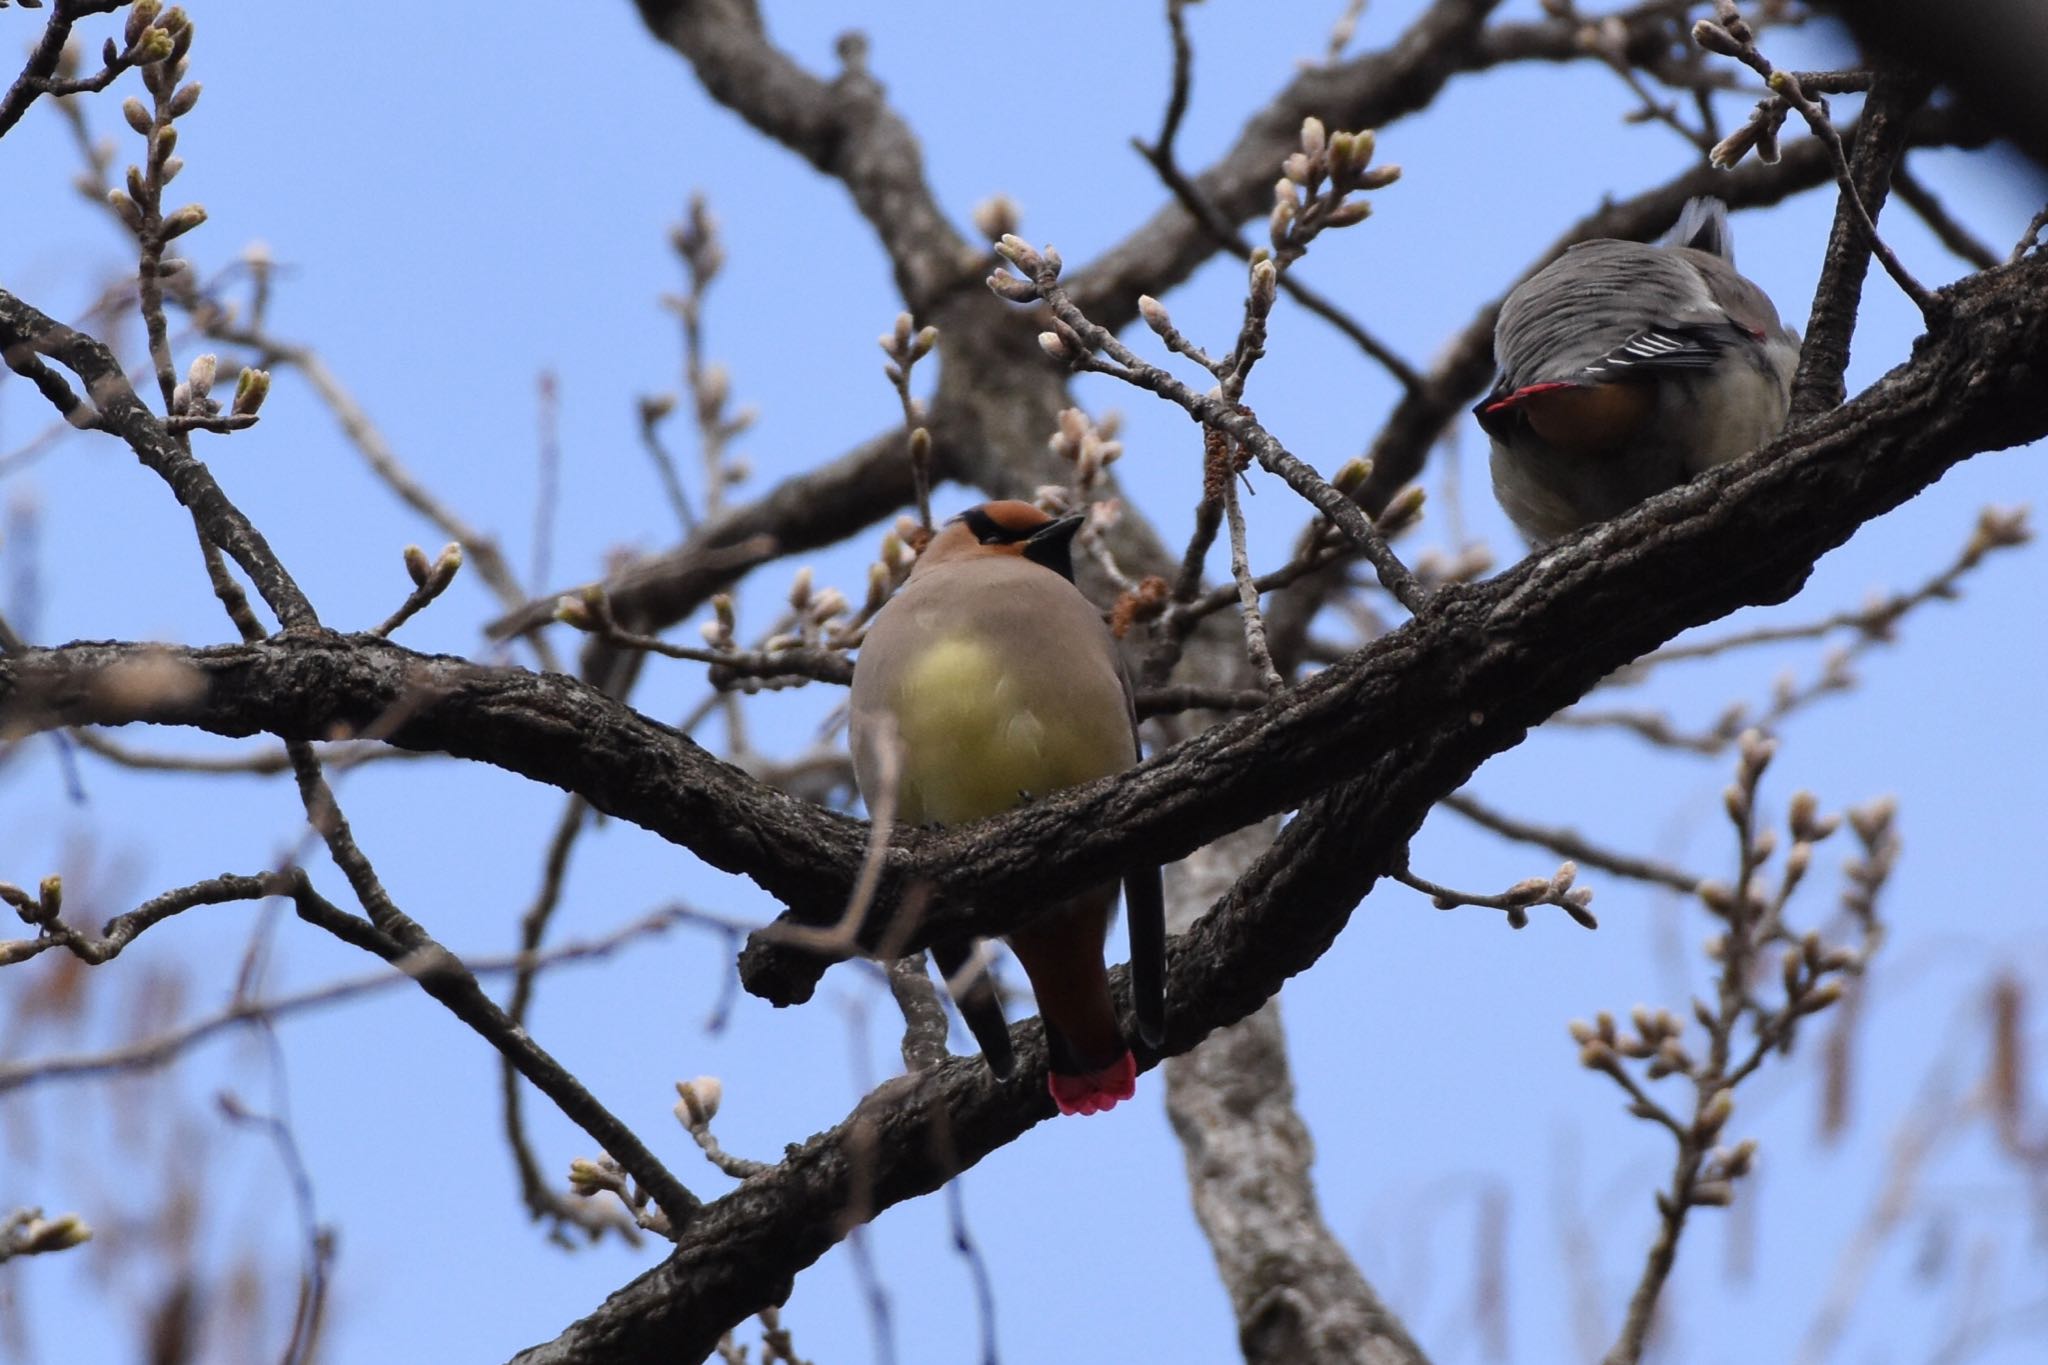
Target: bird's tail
(1079, 1089)
(1703, 225)
(1091, 1063)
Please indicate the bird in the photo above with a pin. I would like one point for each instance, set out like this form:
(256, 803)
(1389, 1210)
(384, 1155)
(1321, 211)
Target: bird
(987, 681)
(1625, 369)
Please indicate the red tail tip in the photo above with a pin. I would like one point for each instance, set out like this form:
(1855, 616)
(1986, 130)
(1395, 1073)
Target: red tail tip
(1092, 1092)
(1516, 399)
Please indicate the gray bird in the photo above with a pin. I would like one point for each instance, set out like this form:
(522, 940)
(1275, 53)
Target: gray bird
(1626, 369)
(990, 680)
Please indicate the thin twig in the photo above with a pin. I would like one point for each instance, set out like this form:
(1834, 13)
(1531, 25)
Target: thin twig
(1788, 86)
(694, 1111)
(1995, 529)
(977, 1269)
(905, 345)
(45, 57)
(2030, 236)
(1248, 594)
(1088, 338)
(1931, 211)
(150, 1053)
(339, 755)
(542, 1199)
(457, 988)
(310, 1310)
(123, 929)
(653, 410)
(1557, 890)
(1342, 32)
(707, 383)
(430, 580)
(1225, 234)
(548, 481)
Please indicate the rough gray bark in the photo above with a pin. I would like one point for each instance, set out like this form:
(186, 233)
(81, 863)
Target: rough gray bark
(1363, 750)
(1298, 1296)
(1369, 744)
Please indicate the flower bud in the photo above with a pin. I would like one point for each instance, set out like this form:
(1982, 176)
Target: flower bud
(1004, 285)
(154, 47)
(183, 221)
(587, 1178)
(56, 1234)
(140, 15)
(996, 216)
(252, 386)
(1154, 313)
(446, 566)
(1711, 37)
(1351, 476)
(700, 1099)
(1714, 1114)
(1018, 252)
(125, 207)
(570, 611)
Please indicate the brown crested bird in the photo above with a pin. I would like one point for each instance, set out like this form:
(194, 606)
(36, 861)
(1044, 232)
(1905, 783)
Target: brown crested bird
(995, 682)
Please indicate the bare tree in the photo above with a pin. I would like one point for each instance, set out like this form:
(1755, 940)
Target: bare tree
(1353, 686)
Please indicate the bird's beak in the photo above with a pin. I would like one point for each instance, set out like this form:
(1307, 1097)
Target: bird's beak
(1059, 532)
(1053, 545)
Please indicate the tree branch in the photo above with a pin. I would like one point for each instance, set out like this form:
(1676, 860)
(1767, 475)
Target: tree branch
(1298, 1296)
(844, 127)
(26, 333)
(1462, 681)
(1369, 91)
(45, 55)
(1880, 142)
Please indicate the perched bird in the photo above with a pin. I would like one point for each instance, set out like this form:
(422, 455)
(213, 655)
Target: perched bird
(995, 682)
(1626, 369)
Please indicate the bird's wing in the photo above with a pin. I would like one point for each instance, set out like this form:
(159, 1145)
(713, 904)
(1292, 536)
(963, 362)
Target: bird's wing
(1673, 347)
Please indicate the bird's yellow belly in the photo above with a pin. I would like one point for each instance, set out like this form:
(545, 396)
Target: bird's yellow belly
(977, 741)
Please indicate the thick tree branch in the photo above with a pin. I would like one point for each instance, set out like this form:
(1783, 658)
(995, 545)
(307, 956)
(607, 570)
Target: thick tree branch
(1880, 142)
(1298, 1297)
(999, 445)
(1461, 682)
(816, 508)
(843, 126)
(1553, 626)
(912, 1135)
(1368, 91)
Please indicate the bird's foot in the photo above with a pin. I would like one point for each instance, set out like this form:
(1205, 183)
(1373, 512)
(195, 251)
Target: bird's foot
(1091, 1092)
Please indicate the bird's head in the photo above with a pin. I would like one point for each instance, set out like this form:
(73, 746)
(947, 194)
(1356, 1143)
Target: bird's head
(1006, 528)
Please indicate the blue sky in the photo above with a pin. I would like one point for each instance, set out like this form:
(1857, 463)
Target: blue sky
(460, 204)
